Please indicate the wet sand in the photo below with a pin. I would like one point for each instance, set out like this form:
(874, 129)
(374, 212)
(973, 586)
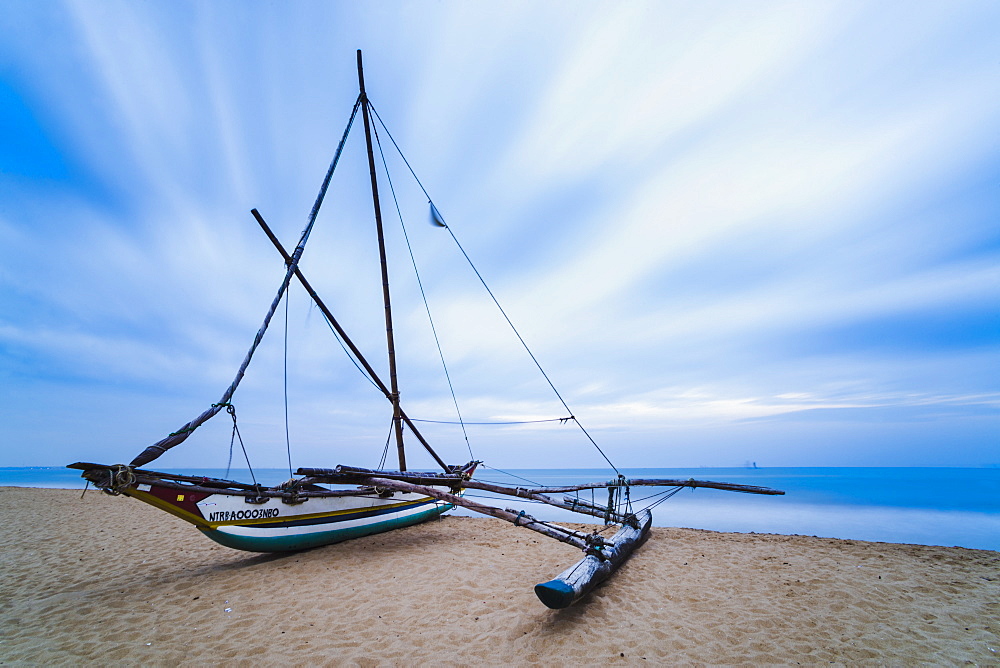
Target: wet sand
(112, 581)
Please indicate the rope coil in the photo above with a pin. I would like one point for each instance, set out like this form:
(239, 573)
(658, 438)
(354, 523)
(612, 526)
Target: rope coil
(120, 478)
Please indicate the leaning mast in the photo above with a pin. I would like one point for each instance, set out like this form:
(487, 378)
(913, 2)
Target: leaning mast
(393, 384)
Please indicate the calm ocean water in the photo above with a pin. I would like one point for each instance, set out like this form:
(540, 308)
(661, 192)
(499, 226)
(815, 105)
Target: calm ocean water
(930, 506)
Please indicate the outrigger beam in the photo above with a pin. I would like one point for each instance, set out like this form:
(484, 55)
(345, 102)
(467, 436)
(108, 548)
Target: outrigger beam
(561, 534)
(656, 482)
(351, 474)
(357, 475)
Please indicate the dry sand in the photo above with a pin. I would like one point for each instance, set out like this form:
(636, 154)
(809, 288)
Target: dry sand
(112, 581)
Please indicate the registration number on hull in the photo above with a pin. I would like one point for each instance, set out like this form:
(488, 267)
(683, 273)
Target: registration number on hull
(249, 514)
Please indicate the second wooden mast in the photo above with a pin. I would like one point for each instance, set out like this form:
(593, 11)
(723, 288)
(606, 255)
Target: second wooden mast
(393, 384)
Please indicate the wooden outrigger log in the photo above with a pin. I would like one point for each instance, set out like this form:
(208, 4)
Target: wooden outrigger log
(579, 579)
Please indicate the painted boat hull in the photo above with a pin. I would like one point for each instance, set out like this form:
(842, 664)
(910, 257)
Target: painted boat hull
(275, 526)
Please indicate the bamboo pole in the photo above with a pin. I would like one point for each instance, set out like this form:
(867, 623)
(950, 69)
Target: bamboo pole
(517, 519)
(350, 474)
(655, 482)
(98, 474)
(568, 504)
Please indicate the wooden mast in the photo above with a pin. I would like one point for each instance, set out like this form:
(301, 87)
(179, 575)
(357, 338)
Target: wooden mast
(393, 385)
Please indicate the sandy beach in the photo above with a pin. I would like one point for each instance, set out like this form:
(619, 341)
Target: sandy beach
(111, 581)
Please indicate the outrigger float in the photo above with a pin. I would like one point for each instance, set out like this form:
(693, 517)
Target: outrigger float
(307, 511)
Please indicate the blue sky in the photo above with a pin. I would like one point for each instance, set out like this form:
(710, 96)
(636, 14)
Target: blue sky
(730, 231)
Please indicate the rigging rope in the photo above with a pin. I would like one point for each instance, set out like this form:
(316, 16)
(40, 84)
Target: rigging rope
(236, 433)
(531, 354)
(512, 475)
(492, 296)
(423, 294)
(666, 495)
(563, 420)
(229, 462)
(347, 352)
(385, 450)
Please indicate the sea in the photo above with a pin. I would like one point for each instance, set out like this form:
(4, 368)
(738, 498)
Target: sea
(925, 506)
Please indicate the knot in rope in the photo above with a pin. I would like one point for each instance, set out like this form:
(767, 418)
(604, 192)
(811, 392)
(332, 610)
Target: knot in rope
(595, 539)
(257, 498)
(596, 545)
(612, 507)
(120, 478)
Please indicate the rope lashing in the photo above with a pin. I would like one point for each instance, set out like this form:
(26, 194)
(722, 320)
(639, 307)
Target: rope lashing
(624, 496)
(596, 545)
(120, 478)
(259, 498)
(610, 509)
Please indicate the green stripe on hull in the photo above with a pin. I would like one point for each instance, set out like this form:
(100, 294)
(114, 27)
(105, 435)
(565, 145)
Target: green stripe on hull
(316, 539)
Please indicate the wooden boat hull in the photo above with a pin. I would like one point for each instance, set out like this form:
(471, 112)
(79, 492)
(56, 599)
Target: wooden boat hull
(276, 526)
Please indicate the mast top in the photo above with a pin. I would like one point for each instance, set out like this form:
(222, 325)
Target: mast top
(361, 76)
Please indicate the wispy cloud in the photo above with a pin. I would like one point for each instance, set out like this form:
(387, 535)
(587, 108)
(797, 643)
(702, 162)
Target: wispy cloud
(718, 222)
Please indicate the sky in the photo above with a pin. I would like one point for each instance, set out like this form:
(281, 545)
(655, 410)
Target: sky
(729, 232)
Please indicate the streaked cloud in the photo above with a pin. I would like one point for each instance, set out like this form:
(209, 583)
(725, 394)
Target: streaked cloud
(728, 222)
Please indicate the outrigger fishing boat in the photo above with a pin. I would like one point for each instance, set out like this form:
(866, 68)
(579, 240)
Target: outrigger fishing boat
(327, 505)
